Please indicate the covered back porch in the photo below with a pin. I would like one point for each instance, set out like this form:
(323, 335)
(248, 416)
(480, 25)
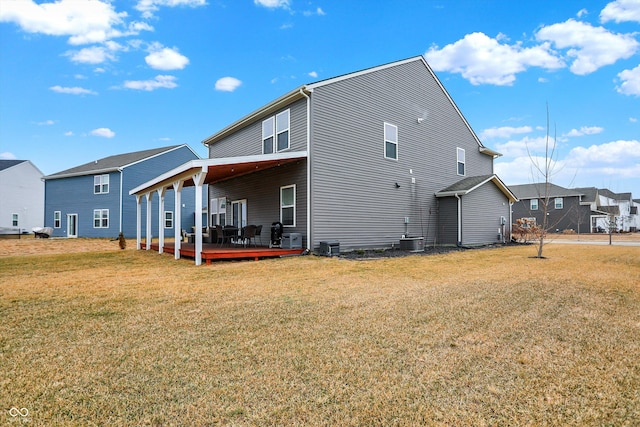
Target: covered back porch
(197, 173)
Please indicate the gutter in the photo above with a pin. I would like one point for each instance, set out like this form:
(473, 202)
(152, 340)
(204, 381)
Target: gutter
(121, 201)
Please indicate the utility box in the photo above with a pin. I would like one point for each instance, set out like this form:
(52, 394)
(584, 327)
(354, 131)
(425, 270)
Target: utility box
(291, 240)
(412, 244)
(331, 248)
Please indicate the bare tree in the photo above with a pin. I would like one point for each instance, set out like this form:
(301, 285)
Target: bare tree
(544, 169)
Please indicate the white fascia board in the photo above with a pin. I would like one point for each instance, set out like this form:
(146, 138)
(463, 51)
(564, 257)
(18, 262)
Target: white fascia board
(159, 154)
(85, 173)
(187, 169)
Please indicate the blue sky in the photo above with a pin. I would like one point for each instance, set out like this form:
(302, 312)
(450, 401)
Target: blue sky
(85, 79)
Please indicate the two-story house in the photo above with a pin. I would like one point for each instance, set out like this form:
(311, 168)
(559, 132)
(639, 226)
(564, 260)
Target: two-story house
(363, 158)
(21, 196)
(92, 200)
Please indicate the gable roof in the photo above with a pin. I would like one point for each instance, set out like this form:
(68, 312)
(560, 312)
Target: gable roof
(113, 163)
(6, 164)
(537, 190)
(467, 185)
(305, 90)
(615, 196)
(589, 194)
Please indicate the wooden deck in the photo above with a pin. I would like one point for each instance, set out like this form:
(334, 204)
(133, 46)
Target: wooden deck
(212, 252)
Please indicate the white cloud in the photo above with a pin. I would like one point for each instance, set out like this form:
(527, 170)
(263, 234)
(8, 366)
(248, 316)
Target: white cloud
(525, 146)
(484, 60)
(582, 12)
(620, 152)
(160, 82)
(46, 123)
(72, 90)
(87, 21)
(92, 55)
(591, 47)
(614, 159)
(164, 58)
(630, 82)
(318, 12)
(504, 131)
(273, 4)
(7, 156)
(69, 133)
(585, 130)
(620, 11)
(103, 132)
(313, 74)
(227, 84)
(148, 7)
(633, 119)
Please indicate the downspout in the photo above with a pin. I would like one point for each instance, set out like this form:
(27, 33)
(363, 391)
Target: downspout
(459, 220)
(510, 219)
(309, 239)
(121, 204)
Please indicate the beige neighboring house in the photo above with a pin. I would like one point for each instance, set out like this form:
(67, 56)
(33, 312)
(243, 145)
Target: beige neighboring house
(21, 196)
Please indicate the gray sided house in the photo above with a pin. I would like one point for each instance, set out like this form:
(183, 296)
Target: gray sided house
(92, 200)
(362, 159)
(567, 209)
(21, 196)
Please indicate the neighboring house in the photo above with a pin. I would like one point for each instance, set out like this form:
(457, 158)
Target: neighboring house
(624, 203)
(635, 215)
(362, 159)
(565, 209)
(92, 200)
(21, 195)
(584, 210)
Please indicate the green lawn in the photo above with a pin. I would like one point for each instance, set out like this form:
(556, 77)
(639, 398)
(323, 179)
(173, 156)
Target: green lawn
(480, 337)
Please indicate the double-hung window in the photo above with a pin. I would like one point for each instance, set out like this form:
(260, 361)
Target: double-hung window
(101, 184)
(101, 218)
(390, 141)
(288, 205)
(56, 219)
(168, 219)
(275, 133)
(461, 161)
(559, 202)
(14, 220)
(533, 204)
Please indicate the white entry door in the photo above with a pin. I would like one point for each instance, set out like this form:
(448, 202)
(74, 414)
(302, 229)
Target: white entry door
(239, 208)
(72, 225)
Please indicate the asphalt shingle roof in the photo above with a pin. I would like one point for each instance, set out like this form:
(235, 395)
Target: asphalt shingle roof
(110, 163)
(6, 164)
(535, 191)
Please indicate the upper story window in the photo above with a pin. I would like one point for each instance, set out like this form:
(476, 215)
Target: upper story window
(559, 202)
(101, 184)
(56, 219)
(461, 161)
(533, 205)
(288, 205)
(390, 141)
(14, 220)
(275, 133)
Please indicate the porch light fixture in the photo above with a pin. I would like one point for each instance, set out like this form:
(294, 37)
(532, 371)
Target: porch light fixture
(397, 185)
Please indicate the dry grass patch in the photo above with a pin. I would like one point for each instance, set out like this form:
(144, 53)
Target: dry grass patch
(488, 337)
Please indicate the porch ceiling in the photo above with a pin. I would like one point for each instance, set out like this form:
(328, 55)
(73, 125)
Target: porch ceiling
(218, 170)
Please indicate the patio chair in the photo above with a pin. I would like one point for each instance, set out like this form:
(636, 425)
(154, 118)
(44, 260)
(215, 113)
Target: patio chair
(259, 233)
(248, 233)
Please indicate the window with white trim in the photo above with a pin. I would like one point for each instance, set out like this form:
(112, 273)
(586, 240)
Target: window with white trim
(14, 220)
(57, 215)
(275, 133)
(101, 184)
(288, 205)
(461, 161)
(101, 218)
(168, 219)
(533, 204)
(390, 141)
(559, 202)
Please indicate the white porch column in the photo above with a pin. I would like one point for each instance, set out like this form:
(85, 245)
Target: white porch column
(161, 192)
(149, 234)
(138, 222)
(177, 223)
(198, 180)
